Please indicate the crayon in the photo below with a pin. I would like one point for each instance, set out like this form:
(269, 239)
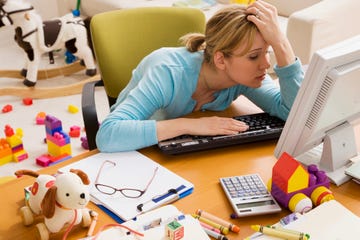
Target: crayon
(232, 227)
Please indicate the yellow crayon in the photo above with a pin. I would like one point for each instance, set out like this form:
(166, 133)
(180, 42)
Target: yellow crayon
(281, 233)
(223, 229)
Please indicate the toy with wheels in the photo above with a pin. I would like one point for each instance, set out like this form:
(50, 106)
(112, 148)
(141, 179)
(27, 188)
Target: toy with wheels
(61, 200)
(297, 188)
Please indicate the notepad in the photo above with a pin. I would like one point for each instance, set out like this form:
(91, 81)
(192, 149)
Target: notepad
(132, 170)
(330, 220)
(192, 227)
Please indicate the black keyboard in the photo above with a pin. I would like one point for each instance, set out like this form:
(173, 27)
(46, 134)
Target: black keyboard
(262, 127)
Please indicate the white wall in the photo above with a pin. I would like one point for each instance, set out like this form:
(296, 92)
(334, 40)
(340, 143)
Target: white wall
(46, 8)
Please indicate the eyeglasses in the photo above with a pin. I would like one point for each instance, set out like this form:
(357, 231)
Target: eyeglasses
(127, 192)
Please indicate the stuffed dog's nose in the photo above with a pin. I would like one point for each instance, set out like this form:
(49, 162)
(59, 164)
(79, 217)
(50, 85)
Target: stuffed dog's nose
(82, 195)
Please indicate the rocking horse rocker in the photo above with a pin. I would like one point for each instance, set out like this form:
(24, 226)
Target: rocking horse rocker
(36, 37)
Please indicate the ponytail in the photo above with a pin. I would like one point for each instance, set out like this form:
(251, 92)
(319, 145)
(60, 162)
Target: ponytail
(193, 41)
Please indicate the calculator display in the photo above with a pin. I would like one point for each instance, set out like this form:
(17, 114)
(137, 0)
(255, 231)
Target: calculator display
(255, 204)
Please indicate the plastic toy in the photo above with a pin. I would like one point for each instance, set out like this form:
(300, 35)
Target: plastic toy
(27, 101)
(174, 230)
(7, 108)
(74, 131)
(40, 118)
(58, 142)
(11, 147)
(84, 142)
(73, 109)
(297, 188)
(36, 37)
(60, 199)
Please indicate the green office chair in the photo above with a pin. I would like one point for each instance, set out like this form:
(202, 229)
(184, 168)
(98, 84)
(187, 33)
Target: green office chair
(121, 38)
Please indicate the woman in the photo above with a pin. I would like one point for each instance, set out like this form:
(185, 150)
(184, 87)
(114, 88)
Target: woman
(231, 59)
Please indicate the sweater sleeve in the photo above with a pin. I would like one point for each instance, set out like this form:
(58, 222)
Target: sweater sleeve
(128, 127)
(274, 100)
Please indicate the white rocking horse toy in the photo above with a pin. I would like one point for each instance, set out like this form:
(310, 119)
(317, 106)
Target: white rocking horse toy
(36, 37)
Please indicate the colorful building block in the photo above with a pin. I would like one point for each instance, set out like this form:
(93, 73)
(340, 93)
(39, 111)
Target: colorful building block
(74, 131)
(27, 101)
(174, 230)
(7, 108)
(40, 118)
(73, 108)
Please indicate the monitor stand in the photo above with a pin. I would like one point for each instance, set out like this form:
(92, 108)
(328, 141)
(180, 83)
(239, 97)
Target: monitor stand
(333, 156)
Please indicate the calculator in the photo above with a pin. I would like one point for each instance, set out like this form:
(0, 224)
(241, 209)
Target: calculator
(248, 195)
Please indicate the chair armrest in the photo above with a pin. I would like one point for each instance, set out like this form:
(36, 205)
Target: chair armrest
(89, 113)
(322, 25)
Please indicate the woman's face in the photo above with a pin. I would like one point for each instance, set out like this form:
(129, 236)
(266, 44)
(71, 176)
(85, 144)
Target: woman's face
(249, 69)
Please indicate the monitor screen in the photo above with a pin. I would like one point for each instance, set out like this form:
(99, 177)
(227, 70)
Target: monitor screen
(320, 127)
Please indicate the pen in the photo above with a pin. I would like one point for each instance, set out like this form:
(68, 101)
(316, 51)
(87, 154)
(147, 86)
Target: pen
(170, 196)
(222, 228)
(232, 227)
(215, 235)
(205, 225)
(281, 233)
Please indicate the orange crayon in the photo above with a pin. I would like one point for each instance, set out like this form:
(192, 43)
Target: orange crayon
(230, 226)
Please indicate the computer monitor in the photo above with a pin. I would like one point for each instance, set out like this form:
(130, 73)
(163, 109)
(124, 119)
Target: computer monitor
(320, 127)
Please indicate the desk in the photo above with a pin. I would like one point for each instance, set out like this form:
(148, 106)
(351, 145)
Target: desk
(203, 169)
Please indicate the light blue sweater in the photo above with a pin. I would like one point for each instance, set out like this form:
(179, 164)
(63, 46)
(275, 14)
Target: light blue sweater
(161, 88)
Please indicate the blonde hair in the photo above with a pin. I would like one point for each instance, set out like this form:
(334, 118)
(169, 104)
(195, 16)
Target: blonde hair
(225, 31)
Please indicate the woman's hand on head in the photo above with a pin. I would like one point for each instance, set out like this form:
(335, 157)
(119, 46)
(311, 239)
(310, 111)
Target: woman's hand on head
(265, 17)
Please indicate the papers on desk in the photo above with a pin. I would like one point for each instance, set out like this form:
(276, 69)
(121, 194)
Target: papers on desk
(330, 220)
(132, 170)
(160, 216)
(354, 170)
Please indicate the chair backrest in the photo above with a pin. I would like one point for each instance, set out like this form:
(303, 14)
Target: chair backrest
(121, 38)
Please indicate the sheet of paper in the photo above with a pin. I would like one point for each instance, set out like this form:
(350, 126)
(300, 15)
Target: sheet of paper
(330, 220)
(132, 170)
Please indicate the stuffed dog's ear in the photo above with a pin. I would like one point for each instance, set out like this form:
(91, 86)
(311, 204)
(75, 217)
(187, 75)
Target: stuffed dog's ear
(48, 202)
(20, 173)
(84, 177)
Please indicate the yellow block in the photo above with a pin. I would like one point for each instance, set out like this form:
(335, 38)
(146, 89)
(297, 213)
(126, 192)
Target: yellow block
(55, 150)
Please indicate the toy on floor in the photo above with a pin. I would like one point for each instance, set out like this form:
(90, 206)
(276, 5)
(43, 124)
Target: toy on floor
(36, 37)
(58, 142)
(11, 147)
(60, 199)
(296, 188)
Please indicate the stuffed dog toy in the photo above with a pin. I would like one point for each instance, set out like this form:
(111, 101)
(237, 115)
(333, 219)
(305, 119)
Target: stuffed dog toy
(60, 199)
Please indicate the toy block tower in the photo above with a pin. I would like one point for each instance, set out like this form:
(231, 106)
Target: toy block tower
(14, 143)
(58, 142)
